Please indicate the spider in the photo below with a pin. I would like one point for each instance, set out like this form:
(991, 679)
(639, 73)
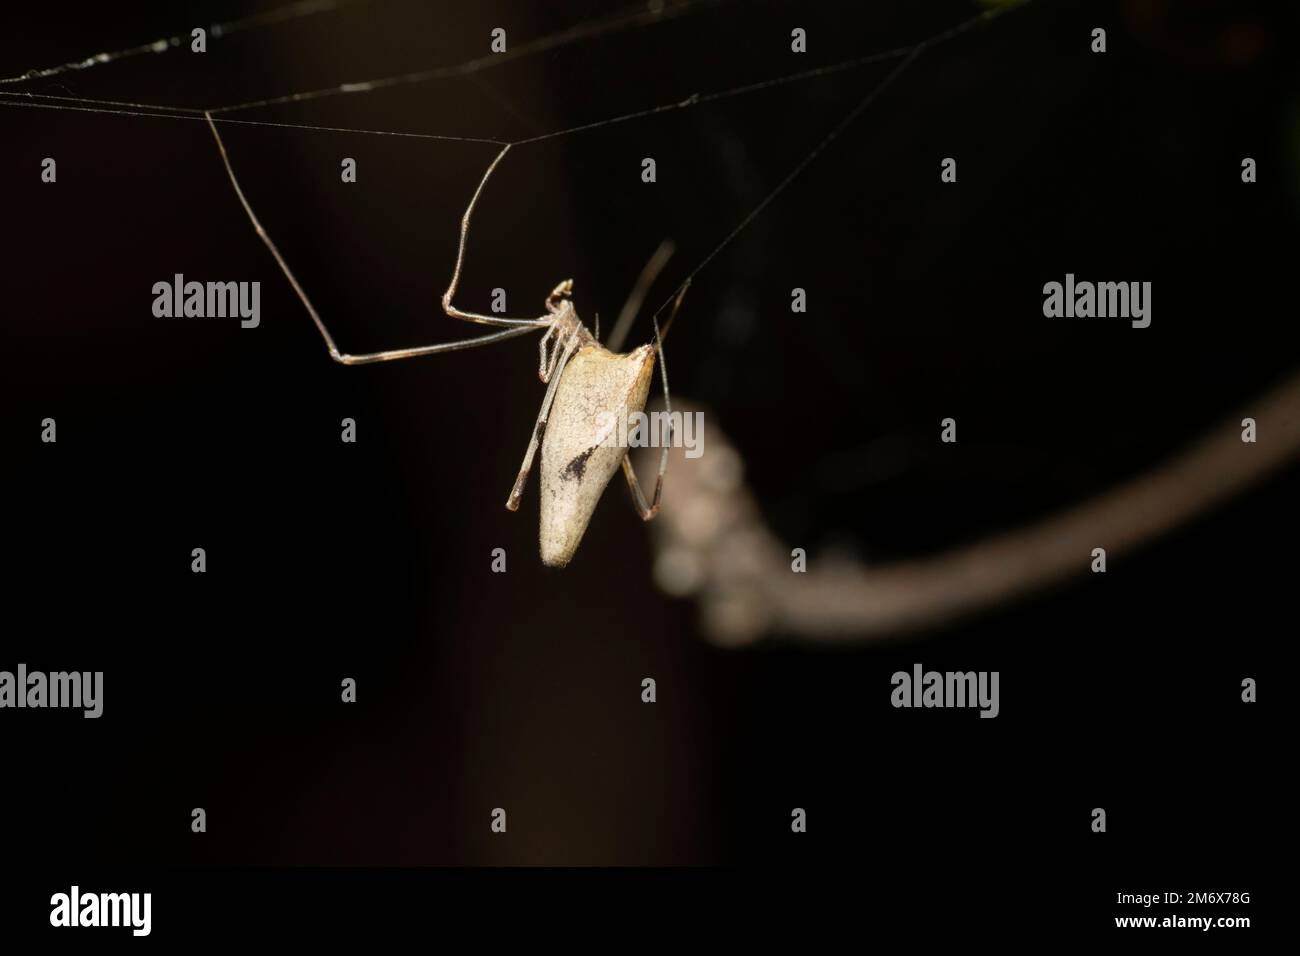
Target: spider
(585, 382)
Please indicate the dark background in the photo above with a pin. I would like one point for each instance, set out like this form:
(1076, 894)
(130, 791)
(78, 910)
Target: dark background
(481, 690)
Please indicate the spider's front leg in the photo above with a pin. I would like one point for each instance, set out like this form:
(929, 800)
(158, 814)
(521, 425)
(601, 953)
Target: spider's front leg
(554, 373)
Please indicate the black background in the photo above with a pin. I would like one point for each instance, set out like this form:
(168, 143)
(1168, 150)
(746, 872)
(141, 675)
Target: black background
(479, 690)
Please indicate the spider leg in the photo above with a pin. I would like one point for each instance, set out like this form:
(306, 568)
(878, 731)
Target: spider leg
(517, 492)
(478, 317)
(649, 272)
(344, 358)
(649, 510)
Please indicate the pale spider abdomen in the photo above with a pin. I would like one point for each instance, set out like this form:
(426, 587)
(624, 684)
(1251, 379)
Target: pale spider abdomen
(597, 386)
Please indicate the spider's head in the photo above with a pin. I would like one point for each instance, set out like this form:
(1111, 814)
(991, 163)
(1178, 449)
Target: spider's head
(556, 301)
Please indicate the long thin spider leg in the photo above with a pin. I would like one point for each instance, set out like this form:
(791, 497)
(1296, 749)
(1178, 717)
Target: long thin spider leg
(343, 357)
(447, 307)
(517, 492)
(648, 511)
(369, 358)
(654, 265)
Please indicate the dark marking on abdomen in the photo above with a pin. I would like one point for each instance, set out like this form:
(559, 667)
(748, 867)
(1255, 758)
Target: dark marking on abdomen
(578, 466)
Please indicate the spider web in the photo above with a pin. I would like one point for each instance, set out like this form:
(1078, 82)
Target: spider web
(585, 42)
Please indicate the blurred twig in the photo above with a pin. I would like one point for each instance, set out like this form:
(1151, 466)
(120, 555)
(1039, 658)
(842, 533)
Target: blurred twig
(712, 543)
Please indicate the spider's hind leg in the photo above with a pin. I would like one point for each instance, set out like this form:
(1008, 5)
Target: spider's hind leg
(649, 510)
(646, 511)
